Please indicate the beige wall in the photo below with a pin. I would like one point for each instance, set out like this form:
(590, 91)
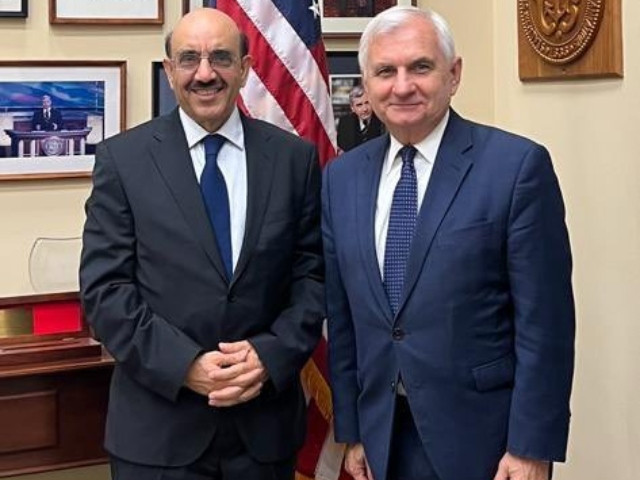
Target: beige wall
(587, 125)
(33, 209)
(590, 128)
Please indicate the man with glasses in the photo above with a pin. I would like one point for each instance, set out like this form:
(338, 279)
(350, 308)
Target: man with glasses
(202, 274)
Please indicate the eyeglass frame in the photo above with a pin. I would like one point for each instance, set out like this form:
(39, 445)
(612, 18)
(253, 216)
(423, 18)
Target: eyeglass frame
(209, 56)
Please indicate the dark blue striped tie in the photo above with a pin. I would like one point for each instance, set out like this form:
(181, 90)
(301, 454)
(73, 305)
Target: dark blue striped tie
(402, 224)
(216, 199)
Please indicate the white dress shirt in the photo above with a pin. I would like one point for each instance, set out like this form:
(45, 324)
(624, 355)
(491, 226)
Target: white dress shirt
(427, 149)
(232, 160)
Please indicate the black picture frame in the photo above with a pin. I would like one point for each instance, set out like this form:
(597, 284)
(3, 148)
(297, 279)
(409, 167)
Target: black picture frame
(22, 12)
(162, 97)
(343, 62)
(344, 74)
(188, 5)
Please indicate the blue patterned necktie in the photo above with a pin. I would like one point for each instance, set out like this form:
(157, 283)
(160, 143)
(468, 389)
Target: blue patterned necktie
(402, 224)
(216, 199)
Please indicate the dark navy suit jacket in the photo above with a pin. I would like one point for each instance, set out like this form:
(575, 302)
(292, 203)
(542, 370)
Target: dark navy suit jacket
(155, 291)
(484, 337)
(54, 122)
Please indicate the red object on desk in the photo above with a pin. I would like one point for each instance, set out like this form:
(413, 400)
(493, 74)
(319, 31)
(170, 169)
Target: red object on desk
(56, 317)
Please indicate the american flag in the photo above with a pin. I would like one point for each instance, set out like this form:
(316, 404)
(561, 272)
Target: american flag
(288, 86)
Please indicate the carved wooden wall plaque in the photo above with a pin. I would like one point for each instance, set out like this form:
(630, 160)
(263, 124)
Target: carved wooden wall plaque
(569, 39)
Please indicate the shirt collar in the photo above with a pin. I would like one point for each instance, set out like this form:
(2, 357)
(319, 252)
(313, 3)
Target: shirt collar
(231, 129)
(427, 147)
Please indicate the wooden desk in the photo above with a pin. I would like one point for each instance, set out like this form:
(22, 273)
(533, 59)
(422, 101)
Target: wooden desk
(48, 143)
(52, 411)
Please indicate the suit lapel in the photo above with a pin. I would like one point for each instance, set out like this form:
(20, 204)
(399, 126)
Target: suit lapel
(260, 168)
(368, 179)
(449, 170)
(170, 152)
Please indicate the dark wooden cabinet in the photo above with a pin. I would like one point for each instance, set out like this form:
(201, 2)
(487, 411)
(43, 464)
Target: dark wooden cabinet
(53, 399)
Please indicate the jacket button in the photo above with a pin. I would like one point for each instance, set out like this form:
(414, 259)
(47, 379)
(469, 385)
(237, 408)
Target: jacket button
(397, 334)
(231, 298)
(393, 387)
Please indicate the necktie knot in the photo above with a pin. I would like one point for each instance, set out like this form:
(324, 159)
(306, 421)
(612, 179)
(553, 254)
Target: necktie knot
(408, 153)
(212, 146)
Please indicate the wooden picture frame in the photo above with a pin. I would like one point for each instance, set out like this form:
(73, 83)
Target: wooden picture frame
(87, 104)
(14, 8)
(111, 12)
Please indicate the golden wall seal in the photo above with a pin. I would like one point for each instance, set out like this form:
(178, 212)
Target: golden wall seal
(560, 30)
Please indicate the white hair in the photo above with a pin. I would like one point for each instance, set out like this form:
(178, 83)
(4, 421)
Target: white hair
(396, 17)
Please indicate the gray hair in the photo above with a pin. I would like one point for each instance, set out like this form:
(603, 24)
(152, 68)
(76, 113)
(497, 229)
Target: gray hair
(394, 18)
(356, 92)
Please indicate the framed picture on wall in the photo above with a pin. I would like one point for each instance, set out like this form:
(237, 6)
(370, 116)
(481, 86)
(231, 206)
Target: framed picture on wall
(50, 128)
(111, 12)
(340, 18)
(14, 8)
(344, 74)
(188, 5)
(162, 98)
(347, 18)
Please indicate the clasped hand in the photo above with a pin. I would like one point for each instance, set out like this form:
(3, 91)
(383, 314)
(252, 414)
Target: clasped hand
(231, 375)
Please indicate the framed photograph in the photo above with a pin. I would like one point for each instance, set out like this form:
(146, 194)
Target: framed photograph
(50, 128)
(347, 18)
(163, 100)
(340, 18)
(344, 74)
(111, 12)
(14, 8)
(188, 5)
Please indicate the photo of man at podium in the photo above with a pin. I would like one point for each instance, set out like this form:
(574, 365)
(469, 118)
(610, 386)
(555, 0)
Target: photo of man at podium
(47, 118)
(51, 119)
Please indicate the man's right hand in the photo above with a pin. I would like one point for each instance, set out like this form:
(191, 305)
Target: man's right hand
(198, 376)
(355, 462)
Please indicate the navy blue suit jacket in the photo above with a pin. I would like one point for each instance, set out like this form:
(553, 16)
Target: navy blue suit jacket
(484, 337)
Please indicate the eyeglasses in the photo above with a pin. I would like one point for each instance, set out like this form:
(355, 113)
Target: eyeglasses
(189, 61)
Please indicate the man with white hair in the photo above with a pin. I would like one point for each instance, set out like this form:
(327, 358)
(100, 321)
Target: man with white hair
(448, 275)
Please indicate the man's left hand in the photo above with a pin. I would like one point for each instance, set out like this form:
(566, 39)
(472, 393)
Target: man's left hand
(512, 467)
(241, 381)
